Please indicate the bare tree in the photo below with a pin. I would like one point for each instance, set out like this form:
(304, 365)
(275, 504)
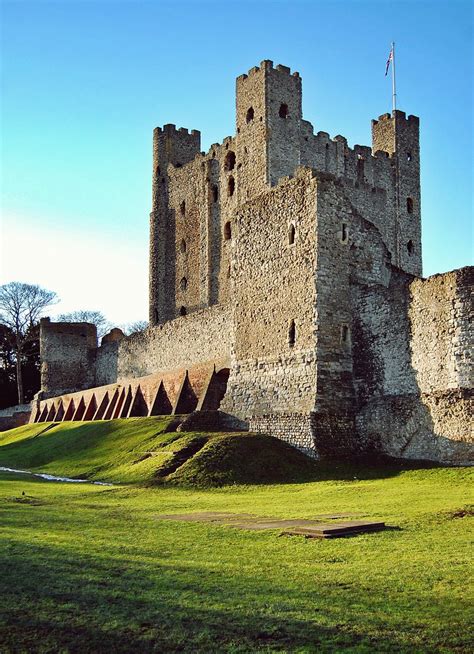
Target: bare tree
(21, 306)
(97, 318)
(134, 327)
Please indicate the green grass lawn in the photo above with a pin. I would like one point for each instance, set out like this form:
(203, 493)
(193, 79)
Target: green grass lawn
(92, 569)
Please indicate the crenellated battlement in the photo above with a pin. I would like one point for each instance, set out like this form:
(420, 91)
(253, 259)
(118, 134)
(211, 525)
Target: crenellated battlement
(267, 65)
(170, 129)
(399, 115)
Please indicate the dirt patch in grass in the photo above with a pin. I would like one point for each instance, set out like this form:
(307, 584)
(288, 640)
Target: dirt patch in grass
(25, 499)
(463, 512)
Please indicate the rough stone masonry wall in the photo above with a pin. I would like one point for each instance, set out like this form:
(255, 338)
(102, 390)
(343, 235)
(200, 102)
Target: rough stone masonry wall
(412, 366)
(348, 246)
(399, 136)
(441, 316)
(201, 337)
(295, 428)
(273, 286)
(68, 352)
(171, 147)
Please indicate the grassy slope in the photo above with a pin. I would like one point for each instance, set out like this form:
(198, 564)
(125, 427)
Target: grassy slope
(86, 568)
(141, 449)
(113, 450)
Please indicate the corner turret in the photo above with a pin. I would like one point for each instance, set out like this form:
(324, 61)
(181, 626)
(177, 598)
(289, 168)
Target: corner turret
(175, 147)
(399, 137)
(268, 118)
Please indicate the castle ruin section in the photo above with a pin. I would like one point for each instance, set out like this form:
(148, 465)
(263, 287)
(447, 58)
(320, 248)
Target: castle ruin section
(68, 352)
(285, 287)
(413, 369)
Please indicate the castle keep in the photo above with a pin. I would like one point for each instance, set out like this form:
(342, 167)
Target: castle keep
(285, 289)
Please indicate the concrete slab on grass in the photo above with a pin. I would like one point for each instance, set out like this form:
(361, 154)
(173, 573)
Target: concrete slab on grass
(292, 527)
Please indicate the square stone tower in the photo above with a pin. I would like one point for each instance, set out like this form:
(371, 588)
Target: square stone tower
(399, 137)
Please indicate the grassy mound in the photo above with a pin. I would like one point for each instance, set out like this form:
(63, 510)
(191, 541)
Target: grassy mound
(151, 450)
(244, 459)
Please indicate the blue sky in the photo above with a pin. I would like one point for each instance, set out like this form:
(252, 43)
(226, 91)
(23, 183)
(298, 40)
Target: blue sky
(84, 83)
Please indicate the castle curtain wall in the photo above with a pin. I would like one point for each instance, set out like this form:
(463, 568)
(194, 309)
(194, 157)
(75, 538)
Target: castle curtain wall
(412, 366)
(202, 337)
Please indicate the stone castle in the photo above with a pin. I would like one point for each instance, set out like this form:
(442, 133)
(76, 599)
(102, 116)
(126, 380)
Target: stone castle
(285, 291)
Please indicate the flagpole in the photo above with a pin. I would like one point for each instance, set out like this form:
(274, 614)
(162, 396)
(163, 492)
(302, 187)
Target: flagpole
(394, 88)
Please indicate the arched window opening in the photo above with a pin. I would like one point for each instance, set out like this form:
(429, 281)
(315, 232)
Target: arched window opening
(183, 246)
(410, 205)
(155, 315)
(360, 168)
(230, 186)
(409, 156)
(283, 112)
(182, 208)
(228, 272)
(410, 247)
(227, 231)
(229, 161)
(291, 235)
(250, 114)
(344, 233)
(292, 333)
(182, 311)
(215, 193)
(183, 284)
(158, 171)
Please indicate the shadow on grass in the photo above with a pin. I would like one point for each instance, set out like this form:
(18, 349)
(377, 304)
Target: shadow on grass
(54, 601)
(370, 466)
(263, 473)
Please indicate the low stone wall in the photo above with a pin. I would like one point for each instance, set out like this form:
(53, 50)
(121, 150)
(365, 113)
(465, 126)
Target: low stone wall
(14, 416)
(293, 428)
(15, 419)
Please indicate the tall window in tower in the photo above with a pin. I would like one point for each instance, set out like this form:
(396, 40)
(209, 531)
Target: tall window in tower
(229, 161)
(292, 333)
(360, 168)
(291, 235)
(410, 205)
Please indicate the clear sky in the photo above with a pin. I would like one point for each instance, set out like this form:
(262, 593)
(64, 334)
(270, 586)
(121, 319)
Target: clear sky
(84, 83)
